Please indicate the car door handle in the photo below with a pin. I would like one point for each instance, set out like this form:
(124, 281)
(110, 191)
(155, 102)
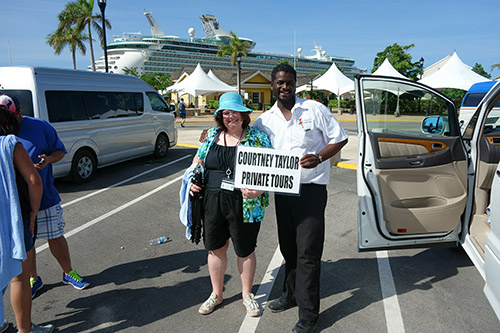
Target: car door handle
(498, 173)
(416, 161)
(436, 146)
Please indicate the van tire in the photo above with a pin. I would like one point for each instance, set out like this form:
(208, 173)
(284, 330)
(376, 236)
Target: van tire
(161, 146)
(83, 166)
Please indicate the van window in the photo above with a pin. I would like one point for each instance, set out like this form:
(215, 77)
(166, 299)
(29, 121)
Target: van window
(25, 99)
(78, 105)
(65, 106)
(473, 99)
(157, 103)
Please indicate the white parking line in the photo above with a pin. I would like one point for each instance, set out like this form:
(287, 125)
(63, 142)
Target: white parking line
(393, 317)
(250, 324)
(123, 182)
(122, 207)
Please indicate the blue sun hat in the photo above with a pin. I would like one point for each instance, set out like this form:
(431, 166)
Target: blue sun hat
(231, 101)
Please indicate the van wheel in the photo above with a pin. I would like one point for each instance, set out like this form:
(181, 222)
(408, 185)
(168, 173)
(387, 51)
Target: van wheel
(83, 166)
(161, 146)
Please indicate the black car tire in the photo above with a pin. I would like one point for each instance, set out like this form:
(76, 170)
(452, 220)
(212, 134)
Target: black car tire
(161, 146)
(83, 166)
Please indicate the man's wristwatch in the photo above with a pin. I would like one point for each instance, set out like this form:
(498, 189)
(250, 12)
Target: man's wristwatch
(319, 157)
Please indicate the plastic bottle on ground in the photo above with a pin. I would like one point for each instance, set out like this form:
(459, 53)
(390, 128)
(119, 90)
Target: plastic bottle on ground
(159, 240)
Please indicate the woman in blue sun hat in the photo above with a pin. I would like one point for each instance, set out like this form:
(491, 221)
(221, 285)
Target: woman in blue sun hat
(230, 212)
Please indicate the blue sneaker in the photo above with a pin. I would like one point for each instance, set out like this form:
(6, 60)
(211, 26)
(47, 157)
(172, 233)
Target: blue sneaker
(41, 329)
(36, 285)
(74, 279)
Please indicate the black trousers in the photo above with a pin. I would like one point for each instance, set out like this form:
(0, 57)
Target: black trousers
(301, 234)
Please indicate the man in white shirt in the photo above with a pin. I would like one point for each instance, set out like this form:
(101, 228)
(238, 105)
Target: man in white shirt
(308, 127)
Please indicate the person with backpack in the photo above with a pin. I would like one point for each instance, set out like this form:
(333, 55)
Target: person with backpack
(182, 111)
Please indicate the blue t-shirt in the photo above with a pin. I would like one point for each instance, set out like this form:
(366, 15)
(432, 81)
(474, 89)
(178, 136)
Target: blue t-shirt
(39, 137)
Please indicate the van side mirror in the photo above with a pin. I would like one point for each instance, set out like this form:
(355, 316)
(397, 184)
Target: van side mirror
(435, 125)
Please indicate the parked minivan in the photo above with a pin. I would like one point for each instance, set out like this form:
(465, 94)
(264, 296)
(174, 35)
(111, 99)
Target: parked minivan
(424, 181)
(101, 118)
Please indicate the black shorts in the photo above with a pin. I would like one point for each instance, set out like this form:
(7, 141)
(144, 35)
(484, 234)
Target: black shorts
(182, 115)
(223, 219)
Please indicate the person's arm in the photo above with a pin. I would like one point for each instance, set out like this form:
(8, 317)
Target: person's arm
(309, 161)
(23, 163)
(52, 158)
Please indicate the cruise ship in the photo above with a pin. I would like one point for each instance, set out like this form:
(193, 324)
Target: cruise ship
(162, 53)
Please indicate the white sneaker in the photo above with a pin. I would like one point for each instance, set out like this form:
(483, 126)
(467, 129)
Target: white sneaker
(253, 308)
(209, 305)
(41, 329)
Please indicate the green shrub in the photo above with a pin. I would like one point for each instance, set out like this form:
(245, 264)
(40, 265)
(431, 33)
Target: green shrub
(213, 104)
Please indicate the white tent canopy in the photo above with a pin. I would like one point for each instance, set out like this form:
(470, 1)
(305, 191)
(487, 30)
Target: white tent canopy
(333, 81)
(174, 86)
(199, 83)
(215, 78)
(386, 69)
(454, 74)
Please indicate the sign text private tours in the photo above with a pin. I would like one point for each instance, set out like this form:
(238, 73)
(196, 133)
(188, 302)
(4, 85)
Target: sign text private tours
(267, 170)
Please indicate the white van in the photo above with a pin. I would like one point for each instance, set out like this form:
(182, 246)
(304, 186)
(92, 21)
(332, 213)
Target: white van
(424, 182)
(101, 118)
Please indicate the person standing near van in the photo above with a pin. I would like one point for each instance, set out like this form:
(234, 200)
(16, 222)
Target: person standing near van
(182, 111)
(47, 149)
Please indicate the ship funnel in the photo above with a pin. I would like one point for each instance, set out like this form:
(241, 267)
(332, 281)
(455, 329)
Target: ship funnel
(212, 27)
(155, 28)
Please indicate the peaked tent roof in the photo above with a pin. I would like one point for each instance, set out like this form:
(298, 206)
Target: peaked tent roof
(173, 87)
(333, 81)
(215, 78)
(386, 69)
(454, 74)
(199, 83)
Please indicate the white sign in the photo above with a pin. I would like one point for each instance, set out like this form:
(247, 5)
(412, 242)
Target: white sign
(267, 169)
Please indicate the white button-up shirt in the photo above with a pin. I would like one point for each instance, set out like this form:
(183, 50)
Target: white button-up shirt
(311, 128)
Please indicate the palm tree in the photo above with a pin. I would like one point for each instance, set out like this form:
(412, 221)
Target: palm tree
(495, 66)
(79, 14)
(71, 38)
(234, 47)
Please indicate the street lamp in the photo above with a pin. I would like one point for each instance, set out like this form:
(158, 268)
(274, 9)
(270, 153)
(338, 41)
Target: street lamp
(102, 6)
(238, 69)
(421, 61)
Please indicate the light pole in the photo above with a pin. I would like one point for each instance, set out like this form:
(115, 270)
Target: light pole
(238, 71)
(102, 6)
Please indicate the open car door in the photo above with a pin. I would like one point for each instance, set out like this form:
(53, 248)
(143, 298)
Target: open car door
(412, 168)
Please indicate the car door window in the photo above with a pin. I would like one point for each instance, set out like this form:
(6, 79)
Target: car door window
(157, 103)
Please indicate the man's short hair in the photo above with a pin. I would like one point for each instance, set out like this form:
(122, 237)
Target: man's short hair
(283, 68)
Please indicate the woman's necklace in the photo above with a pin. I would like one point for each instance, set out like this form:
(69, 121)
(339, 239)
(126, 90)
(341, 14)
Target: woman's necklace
(228, 170)
(239, 138)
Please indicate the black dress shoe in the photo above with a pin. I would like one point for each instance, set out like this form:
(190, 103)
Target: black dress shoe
(305, 326)
(281, 304)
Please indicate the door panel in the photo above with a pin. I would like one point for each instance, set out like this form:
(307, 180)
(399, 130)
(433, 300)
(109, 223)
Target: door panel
(412, 183)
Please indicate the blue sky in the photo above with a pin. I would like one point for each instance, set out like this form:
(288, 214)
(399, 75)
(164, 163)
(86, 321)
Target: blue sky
(356, 29)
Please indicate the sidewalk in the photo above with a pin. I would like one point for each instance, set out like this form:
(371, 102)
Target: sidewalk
(188, 137)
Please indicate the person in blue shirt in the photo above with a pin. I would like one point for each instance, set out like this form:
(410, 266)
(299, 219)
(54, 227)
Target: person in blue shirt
(45, 148)
(182, 111)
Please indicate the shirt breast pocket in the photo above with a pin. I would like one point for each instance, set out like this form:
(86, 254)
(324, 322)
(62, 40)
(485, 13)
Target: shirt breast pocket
(302, 134)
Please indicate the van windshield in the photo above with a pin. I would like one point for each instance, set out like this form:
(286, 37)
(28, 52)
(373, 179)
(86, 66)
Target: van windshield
(25, 100)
